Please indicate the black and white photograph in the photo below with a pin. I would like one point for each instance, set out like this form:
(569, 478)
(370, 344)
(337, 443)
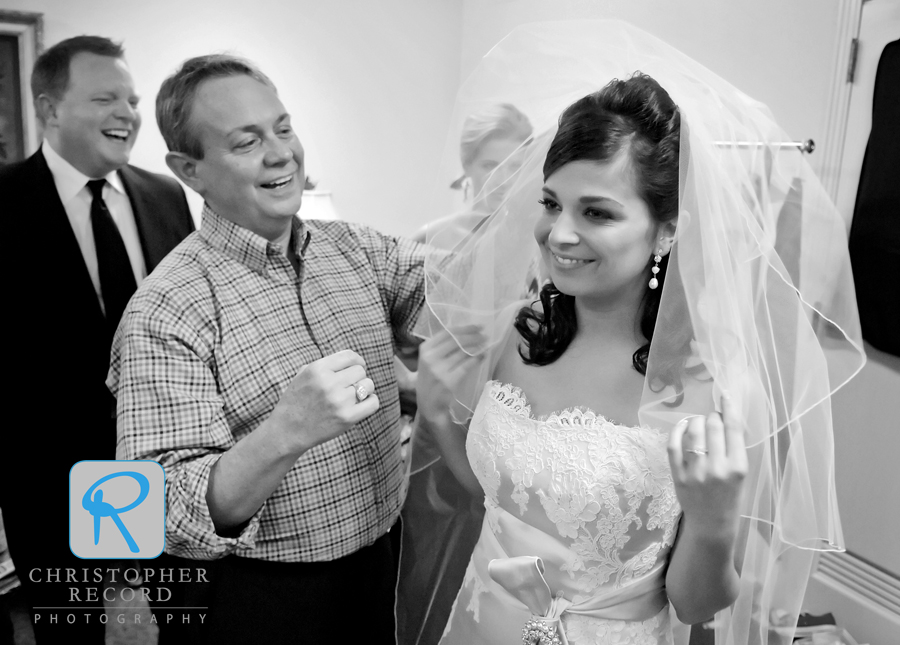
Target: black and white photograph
(450, 322)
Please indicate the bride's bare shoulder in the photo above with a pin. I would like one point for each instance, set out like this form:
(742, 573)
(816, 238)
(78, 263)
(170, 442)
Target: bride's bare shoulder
(509, 364)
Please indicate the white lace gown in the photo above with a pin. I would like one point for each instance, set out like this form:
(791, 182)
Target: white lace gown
(593, 500)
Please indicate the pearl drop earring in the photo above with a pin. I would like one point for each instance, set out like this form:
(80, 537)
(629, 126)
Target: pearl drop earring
(655, 268)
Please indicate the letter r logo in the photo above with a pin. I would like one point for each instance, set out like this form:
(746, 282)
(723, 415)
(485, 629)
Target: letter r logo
(117, 509)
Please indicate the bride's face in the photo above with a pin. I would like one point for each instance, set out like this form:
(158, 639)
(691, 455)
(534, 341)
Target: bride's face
(596, 233)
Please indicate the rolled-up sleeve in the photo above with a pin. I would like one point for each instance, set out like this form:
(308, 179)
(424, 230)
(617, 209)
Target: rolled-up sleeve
(399, 265)
(169, 409)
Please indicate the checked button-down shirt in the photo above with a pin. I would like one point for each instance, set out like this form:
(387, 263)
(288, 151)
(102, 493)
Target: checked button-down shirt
(211, 340)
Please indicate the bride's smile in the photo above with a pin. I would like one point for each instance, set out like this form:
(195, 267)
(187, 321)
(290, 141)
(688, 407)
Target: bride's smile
(596, 233)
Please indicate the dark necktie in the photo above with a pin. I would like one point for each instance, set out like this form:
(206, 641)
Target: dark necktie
(117, 283)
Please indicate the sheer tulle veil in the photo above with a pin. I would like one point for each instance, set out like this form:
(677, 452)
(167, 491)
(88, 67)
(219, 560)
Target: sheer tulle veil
(757, 300)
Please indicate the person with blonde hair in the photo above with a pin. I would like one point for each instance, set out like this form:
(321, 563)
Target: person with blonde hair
(491, 139)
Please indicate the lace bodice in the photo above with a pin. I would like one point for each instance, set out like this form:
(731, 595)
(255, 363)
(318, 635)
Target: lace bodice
(602, 489)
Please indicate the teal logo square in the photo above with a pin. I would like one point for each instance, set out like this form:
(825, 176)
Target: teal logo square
(117, 509)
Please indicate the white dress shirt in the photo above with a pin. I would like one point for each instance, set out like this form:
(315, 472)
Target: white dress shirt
(76, 198)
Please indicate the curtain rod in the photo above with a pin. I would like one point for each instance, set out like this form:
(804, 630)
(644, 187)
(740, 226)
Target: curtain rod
(804, 146)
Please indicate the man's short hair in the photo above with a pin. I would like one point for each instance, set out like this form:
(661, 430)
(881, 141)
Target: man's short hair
(51, 70)
(175, 100)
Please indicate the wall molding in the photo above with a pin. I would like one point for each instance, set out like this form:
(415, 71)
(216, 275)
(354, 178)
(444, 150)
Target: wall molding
(864, 599)
(828, 165)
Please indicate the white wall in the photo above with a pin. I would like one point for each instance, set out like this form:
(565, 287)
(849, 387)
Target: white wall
(781, 53)
(370, 84)
(868, 412)
(866, 417)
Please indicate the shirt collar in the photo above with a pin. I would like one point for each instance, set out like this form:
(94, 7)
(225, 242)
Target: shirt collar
(245, 246)
(68, 179)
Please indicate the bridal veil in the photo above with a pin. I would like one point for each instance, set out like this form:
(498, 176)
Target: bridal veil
(758, 296)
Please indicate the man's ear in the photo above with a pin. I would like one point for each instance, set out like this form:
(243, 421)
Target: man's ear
(185, 168)
(45, 107)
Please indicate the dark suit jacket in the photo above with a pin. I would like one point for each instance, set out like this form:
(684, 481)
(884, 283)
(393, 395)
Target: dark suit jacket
(57, 409)
(875, 233)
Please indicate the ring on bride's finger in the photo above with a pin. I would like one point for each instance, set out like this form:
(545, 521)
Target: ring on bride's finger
(697, 451)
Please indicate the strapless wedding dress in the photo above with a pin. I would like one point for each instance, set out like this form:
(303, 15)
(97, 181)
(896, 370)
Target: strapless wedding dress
(580, 518)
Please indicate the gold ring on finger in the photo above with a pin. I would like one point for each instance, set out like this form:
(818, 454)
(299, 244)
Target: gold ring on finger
(697, 451)
(361, 393)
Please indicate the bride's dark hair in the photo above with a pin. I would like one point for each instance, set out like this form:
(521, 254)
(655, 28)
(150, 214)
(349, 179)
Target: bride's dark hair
(636, 115)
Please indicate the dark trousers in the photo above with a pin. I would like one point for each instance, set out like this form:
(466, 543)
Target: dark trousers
(441, 525)
(62, 611)
(349, 600)
(184, 592)
(54, 602)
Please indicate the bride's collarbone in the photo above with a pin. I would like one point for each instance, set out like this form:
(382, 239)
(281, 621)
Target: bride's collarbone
(598, 381)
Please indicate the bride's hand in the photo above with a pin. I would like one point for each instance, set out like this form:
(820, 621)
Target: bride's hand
(443, 367)
(709, 462)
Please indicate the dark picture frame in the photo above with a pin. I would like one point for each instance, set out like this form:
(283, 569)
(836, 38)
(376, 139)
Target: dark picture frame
(21, 40)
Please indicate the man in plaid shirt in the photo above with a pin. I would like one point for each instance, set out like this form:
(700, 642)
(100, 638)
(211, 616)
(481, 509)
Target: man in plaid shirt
(255, 364)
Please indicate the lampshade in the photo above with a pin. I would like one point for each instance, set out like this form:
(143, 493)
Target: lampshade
(317, 204)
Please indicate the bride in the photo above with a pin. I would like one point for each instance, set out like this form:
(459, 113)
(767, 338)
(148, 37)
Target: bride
(652, 437)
